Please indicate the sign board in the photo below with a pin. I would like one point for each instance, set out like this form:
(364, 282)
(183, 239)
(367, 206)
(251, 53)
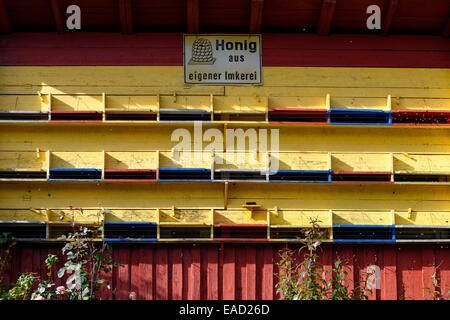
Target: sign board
(222, 59)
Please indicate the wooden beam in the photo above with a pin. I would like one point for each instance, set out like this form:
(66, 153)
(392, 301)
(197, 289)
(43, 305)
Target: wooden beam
(446, 31)
(326, 16)
(256, 13)
(390, 13)
(126, 16)
(5, 25)
(57, 15)
(192, 16)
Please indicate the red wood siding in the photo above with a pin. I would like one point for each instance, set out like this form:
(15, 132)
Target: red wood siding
(237, 271)
(166, 49)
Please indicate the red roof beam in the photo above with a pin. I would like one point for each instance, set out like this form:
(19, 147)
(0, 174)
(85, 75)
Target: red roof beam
(256, 14)
(126, 16)
(192, 16)
(326, 16)
(390, 13)
(446, 31)
(5, 25)
(57, 15)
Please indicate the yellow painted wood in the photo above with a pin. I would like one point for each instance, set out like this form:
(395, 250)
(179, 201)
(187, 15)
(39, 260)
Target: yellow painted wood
(77, 103)
(186, 217)
(239, 216)
(131, 160)
(78, 215)
(131, 215)
(23, 214)
(32, 102)
(359, 217)
(421, 104)
(145, 137)
(244, 104)
(240, 160)
(131, 103)
(302, 160)
(23, 161)
(300, 102)
(185, 102)
(422, 163)
(423, 218)
(359, 103)
(185, 159)
(76, 160)
(365, 162)
(298, 218)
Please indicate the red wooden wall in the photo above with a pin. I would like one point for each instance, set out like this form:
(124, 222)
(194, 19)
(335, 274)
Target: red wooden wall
(166, 49)
(237, 271)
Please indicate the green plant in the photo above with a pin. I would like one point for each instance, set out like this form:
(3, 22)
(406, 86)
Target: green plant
(85, 262)
(436, 289)
(308, 280)
(22, 289)
(6, 242)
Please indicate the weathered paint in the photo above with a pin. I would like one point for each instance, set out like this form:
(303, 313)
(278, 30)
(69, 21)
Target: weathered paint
(245, 272)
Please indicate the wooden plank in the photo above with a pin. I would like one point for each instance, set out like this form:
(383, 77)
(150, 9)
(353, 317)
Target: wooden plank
(123, 282)
(135, 272)
(241, 274)
(194, 275)
(147, 267)
(192, 12)
(443, 268)
(256, 15)
(446, 30)
(267, 281)
(389, 16)
(229, 278)
(389, 274)
(57, 16)
(161, 279)
(176, 256)
(212, 273)
(409, 264)
(5, 24)
(428, 268)
(369, 259)
(250, 273)
(326, 16)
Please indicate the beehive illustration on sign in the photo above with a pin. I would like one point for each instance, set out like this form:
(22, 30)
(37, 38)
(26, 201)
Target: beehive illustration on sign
(202, 52)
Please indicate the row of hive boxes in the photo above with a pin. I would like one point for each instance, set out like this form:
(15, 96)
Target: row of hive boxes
(208, 217)
(129, 160)
(213, 104)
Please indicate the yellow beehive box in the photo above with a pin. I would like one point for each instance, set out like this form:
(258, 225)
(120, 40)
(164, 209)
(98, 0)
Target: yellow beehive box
(131, 215)
(78, 215)
(369, 103)
(239, 216)
(296, 102)
(362, 217)
(185, 217)
(421, 163)
(77, 103)
(240, 104)
(28, 103)
(299, 218)
(23, 161)
(302, 160)
(360, 162)
(403, 103)
(185, 102)
(23, 214)
(241, 160)
(182, 159)
(76, 160)
(131, 160)
(131, 103)
(423, 218)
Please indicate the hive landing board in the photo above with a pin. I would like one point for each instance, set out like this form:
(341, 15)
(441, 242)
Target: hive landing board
(222, 59)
